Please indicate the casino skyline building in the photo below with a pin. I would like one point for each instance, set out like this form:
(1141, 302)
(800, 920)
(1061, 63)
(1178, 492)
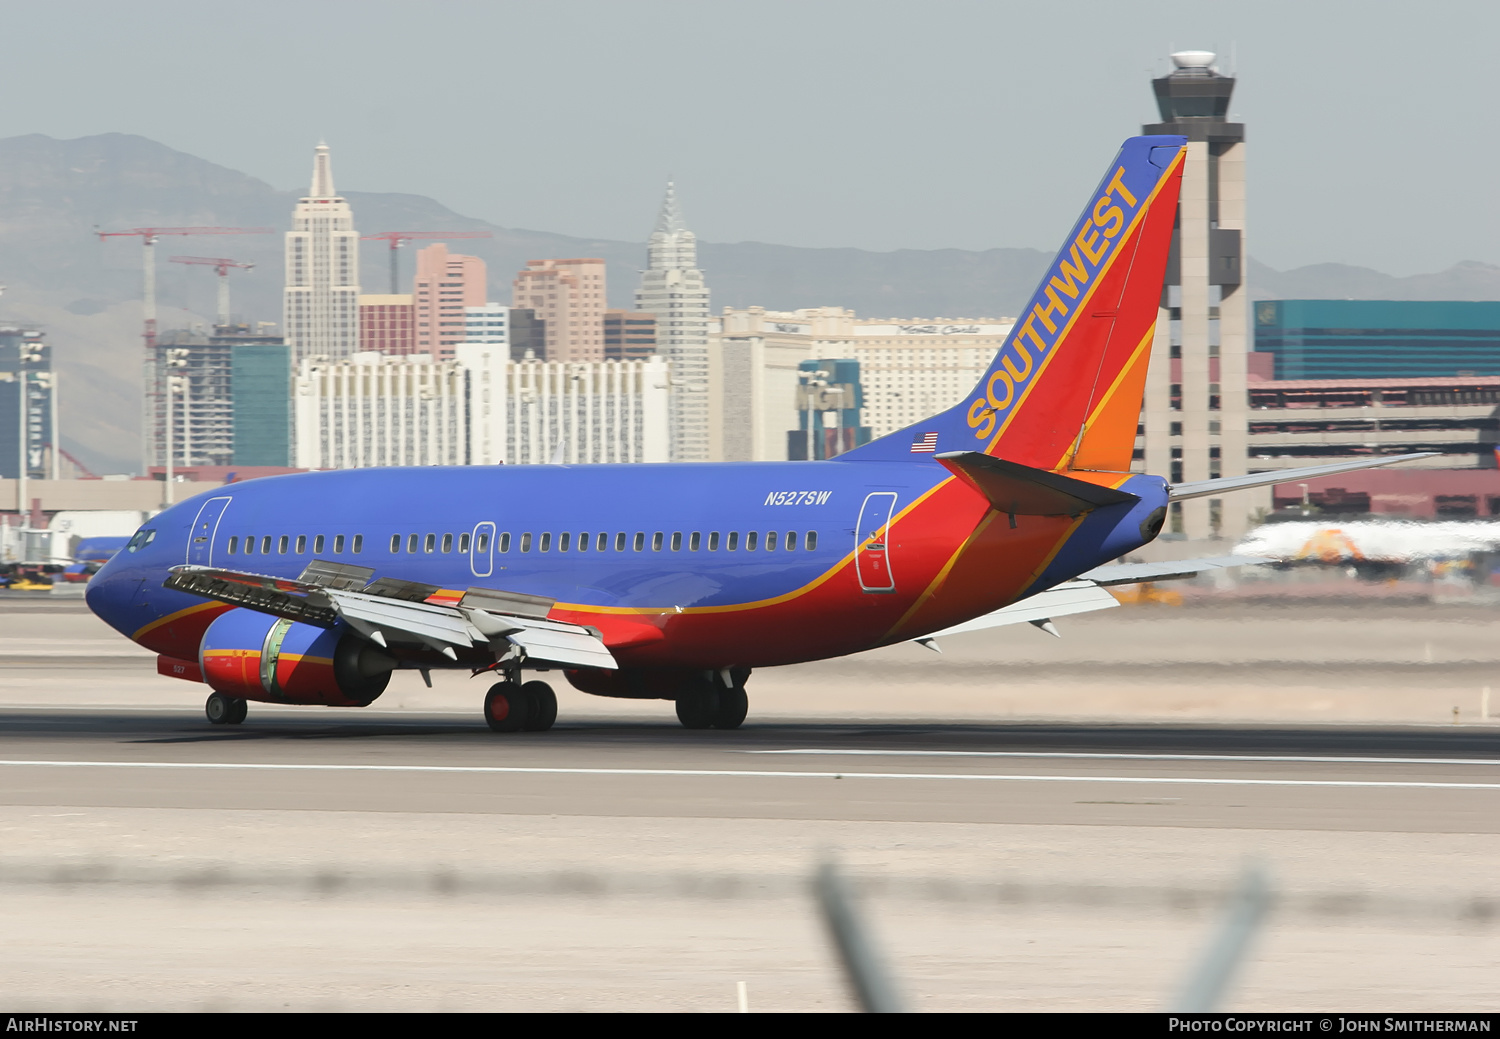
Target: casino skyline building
(673, 289)
(321, 299)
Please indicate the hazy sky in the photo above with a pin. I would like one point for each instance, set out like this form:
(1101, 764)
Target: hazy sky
(919, 124)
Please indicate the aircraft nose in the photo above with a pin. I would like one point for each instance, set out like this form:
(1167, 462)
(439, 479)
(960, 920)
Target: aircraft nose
(109, 594)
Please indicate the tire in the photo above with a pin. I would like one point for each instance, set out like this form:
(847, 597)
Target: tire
(506, 708)
(219, 708)
(733, 705)
(543, 706)
(241, 708)
(697, 708)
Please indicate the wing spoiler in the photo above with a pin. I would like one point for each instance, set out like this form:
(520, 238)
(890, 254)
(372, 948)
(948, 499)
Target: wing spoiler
(387, 610)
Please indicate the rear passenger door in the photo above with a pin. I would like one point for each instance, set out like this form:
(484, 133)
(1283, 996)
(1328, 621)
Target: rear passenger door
(872, 559)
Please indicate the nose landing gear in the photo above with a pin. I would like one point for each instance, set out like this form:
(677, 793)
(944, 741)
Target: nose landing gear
(225, 710)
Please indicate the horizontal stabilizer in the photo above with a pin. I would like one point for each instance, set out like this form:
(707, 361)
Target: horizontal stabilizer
(1202, 488)
(1134, 573)
(1023, 491)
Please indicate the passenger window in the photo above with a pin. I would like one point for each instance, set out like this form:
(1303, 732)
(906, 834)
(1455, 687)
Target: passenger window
(526, 542)
(713, 541)
(338, 544)
(301, 544)
(318, 545)
(429, 543)
(770, 541)
(677, 541)
(359, 543)
(583, 542)
(751, 540)
(546, 545)
(695, 541)
(640, 541)
(811, 541)
(791, 541)
(411, 543)
(603, 542)
(463, 542)
(250, 545)
(620, 541)
(281, 544)
(656, 541)
(447, 542)
(482, 543)
(734, 541)
(563, 541)
(234, 543)
(265, 545)
(395, 543)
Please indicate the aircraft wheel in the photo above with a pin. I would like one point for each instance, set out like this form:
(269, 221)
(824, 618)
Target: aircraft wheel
(219, 709)
(506, 707)
(733, 705)
(697, 707)
(543, 706)
(241, 708)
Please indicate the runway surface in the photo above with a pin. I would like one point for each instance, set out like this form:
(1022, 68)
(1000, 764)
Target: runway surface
(1407, 780)
(405, 857)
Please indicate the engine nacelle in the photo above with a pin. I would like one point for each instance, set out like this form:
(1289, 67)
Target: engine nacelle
(255, 656)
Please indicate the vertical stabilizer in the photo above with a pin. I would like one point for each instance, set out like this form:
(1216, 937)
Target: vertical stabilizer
(1064, 392)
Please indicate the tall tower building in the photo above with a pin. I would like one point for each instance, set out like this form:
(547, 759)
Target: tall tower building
(1196, 405)
(446, 284)
(568, 297)
(672, 288)
(321, 306)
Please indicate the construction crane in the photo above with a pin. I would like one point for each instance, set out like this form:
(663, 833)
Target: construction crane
(222, 266)
(399, 238)
(148, 237)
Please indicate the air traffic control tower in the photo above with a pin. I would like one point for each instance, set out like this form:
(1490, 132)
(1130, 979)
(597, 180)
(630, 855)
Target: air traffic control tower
(1196, 405)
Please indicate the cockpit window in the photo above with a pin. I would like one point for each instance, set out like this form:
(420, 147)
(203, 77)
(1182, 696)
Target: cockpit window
(141, 539)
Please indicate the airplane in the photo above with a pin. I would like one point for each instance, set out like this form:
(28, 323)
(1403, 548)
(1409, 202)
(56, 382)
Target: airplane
(677, 581)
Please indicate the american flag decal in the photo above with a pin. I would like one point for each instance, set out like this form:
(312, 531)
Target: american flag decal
(924, 444)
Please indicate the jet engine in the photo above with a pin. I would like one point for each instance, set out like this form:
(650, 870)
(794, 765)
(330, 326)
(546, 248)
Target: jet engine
(255, 656)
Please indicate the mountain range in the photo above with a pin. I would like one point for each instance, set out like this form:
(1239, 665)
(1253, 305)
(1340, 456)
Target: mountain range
(85, 292)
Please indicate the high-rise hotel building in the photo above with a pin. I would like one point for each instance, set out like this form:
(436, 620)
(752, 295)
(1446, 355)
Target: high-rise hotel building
(321, 305)
(672, 288)
(568, 298)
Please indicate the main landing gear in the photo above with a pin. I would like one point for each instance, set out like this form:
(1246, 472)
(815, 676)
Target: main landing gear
(711, 703)
(225, 710)
(517, 707)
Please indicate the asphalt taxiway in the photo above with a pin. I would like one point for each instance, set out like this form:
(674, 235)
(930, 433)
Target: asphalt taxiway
(404, 857)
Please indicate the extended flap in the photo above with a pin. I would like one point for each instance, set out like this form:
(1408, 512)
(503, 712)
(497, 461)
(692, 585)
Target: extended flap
(1024, 491)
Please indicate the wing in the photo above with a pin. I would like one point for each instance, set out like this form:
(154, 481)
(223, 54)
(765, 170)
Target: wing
(387, 610)
(1171, 570)
(1086, 593)
(1039, 609)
